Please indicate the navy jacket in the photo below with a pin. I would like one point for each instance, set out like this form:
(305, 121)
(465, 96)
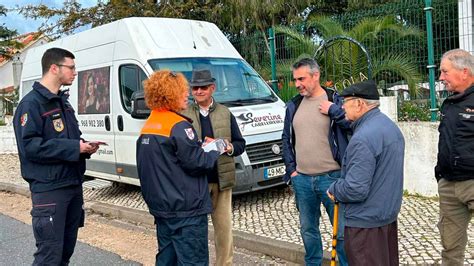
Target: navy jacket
(172, 167)
(339, 129)
(47, 135)
(372, 170)
(456, 138)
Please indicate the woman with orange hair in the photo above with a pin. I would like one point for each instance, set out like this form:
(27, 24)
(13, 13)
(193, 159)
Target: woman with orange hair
(171, 167)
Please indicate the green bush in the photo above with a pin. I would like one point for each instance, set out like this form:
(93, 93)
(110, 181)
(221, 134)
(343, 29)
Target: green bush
(286, 90)
(416, 110)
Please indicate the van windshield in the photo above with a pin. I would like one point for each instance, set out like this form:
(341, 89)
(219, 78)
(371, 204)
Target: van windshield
(237, 84)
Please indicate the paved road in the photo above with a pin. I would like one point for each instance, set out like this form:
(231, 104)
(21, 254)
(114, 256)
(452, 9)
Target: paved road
(17, 247)
(269, 219)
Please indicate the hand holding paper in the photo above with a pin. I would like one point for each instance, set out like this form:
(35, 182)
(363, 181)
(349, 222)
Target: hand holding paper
(210, 144)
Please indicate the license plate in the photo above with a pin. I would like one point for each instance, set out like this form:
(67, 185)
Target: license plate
(273, 172)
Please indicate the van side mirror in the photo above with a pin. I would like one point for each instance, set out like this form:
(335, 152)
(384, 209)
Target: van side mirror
(139, 108)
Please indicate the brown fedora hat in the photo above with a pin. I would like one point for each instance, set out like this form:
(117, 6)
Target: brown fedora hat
(201, 77)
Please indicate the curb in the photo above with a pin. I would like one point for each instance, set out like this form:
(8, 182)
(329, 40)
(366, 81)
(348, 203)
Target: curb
(288, 251)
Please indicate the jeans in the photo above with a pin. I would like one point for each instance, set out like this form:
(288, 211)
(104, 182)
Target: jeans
(310, 192)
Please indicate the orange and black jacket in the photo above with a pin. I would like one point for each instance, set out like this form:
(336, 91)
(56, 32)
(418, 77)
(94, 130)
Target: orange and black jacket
(172, 167)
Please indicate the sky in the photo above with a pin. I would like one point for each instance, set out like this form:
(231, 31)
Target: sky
(17, 22)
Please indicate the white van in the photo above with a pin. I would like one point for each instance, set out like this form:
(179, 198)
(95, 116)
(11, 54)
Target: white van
(112, 61)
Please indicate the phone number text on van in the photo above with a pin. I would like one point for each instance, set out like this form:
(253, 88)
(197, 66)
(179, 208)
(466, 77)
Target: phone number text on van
(93, 123)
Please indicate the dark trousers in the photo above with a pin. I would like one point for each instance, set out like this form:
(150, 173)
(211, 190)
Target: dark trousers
(182, 241)
(372, 246)
(56, 218)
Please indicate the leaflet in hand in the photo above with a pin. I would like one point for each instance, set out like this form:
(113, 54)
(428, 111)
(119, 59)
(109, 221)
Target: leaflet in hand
(214, 145)
(98, 143)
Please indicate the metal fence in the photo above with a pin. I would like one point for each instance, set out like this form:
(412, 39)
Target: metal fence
(395, 36)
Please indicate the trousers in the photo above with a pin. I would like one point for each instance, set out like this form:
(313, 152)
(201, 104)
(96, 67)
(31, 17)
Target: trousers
(222, 222)
(456, 206)
(372, 246)
(56, 218)
(182, 241)
(310, 192)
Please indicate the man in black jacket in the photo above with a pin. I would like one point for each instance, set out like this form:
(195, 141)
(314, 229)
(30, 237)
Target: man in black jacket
(52, 158)
(455, 168)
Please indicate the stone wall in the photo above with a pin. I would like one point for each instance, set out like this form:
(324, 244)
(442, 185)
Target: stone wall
(7, 140)
(421, 149)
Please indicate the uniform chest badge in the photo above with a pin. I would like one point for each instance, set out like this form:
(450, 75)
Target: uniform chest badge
(24, 119)
(58, 124)
(189, 133)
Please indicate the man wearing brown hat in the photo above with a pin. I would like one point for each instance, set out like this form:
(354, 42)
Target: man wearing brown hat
(214, 120)
(372, 187)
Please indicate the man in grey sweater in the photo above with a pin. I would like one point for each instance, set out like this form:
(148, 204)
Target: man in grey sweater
(372, 187)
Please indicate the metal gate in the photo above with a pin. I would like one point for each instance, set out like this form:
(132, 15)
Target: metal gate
(343, 61)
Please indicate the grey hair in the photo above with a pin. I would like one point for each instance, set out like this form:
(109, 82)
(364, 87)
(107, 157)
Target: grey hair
(309, 62)
(460, 59)
(372, 103)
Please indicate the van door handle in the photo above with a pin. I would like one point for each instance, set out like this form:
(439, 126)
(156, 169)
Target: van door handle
(120, 122)
(107, 123)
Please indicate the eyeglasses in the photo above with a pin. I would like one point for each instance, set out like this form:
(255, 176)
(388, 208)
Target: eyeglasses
(345, 100)
(203, 88)
(73, 67)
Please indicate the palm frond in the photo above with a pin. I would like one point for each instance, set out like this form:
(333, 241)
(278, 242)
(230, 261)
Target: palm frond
(326, 26)
(400, 65)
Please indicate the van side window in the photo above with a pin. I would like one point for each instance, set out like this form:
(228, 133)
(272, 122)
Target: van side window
(131, 79)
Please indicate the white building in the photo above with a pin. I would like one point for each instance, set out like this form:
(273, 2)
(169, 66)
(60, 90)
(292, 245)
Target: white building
(466, 25)
(10, 69)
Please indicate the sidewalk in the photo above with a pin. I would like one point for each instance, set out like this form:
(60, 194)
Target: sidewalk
(267, 221)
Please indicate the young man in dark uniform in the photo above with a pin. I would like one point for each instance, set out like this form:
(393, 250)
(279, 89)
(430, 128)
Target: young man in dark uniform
(52, 158)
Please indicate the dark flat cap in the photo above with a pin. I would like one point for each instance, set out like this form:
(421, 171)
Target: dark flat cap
(201, 77)
(365, 90)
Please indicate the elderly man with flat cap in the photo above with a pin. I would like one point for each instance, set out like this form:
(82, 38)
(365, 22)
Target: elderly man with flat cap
(372, 187)
(214, 120)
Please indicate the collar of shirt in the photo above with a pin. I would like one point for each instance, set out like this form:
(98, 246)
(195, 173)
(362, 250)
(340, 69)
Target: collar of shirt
(205, 110)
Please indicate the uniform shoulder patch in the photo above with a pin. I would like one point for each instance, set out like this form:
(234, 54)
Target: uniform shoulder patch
(58, 124)
(24, 119)
(189, 133)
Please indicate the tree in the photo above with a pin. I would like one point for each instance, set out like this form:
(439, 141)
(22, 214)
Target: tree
(371, 32)
(67, 19)
(7, 43)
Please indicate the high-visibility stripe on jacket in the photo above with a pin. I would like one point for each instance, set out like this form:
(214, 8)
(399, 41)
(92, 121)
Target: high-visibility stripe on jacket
(172, 165)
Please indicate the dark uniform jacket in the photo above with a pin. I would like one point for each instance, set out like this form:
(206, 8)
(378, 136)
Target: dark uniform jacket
(47, 135)
(456, 138)
(172, 167)
(338, 131)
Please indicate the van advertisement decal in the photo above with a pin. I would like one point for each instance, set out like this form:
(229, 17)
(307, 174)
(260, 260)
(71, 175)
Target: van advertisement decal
(94, 91)
(249, 119)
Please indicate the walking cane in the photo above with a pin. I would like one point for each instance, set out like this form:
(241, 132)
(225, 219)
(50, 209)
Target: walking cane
(334, 233)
